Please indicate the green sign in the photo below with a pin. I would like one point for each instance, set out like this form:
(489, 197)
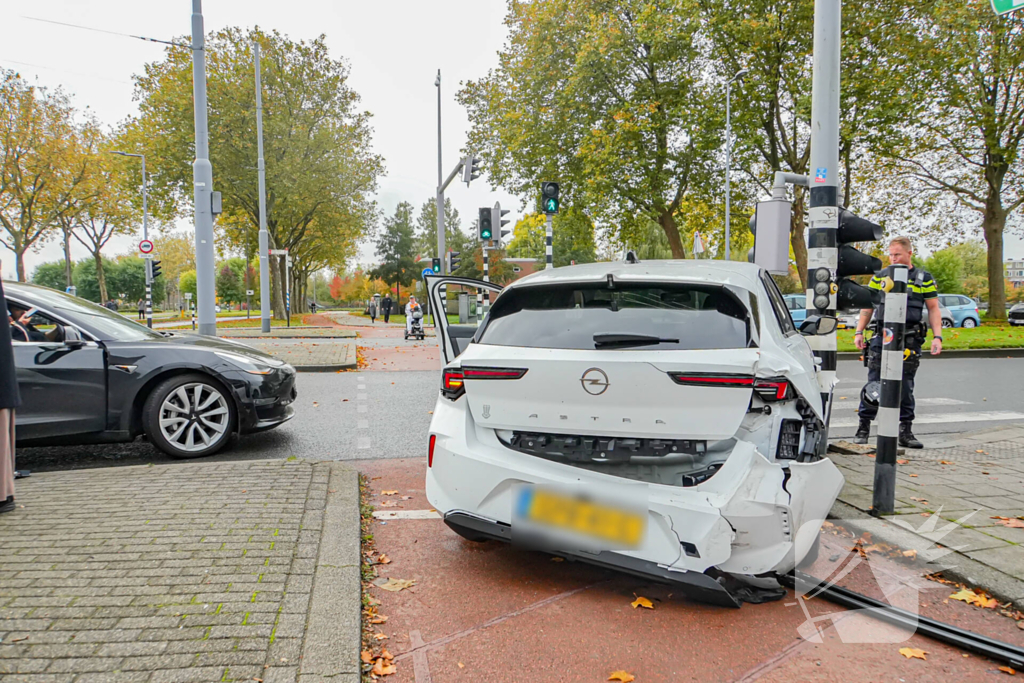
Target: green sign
(1006, 6)
(551, 204)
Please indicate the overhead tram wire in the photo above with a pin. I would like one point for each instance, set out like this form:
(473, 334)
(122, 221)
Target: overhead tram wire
(112, 33)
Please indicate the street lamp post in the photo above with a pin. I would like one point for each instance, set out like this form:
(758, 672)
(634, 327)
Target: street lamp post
(145, 236)
(439, 197)
(728, 157)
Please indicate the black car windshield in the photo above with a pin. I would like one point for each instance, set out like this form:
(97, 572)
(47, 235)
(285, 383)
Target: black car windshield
(585, 316)
(106, 323)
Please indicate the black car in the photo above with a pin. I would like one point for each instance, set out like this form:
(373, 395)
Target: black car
(93, 376)
(1016, 315)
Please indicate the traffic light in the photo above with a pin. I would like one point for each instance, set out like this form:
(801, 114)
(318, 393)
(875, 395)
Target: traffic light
(853, 228)
(156, 270)
(453, 261)
(436, 265)
(470, 169)
(496, 213)
(549, 197)
(484, 225)
(770, 226)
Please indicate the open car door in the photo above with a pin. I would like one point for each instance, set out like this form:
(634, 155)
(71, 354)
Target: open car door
(453, 338)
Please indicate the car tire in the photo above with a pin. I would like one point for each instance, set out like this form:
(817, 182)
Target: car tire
(970, 322)
(173, 403)
(946, 322)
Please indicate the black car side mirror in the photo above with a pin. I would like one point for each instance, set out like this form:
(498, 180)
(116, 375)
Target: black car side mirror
(72, 337)
(816, 325)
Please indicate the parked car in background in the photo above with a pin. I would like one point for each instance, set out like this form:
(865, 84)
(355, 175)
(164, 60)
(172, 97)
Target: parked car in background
(94, 376)
(797, 305)
(848, 319)
(962, 309)
(1016, 315)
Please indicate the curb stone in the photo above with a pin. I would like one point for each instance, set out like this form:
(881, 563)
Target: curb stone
(1001, 586)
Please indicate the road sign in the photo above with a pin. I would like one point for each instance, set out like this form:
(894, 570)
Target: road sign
(250, 292)
(188, 295)
(278, 252)
(429, 271)
(1006, 6)
(146, 246)
(148, 256)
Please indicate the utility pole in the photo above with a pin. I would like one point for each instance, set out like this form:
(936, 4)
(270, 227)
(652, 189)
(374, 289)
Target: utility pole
(728, 157)
(892, 329)
(262, 171)
(439, 197)
(202, 177)
(822, 252)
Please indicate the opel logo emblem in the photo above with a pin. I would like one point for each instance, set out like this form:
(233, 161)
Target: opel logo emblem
(594, 381)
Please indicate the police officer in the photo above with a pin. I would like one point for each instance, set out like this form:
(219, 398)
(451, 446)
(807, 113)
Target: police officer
(921, 293)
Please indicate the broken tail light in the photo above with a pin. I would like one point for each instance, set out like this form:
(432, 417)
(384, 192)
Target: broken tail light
(451, 383)
(774, 389)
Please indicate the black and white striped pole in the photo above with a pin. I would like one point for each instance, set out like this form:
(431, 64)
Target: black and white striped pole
(893, 327)
(548, 255)
(487, 278)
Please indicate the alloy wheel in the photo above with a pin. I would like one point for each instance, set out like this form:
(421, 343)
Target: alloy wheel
(194, 417)
(969, 322)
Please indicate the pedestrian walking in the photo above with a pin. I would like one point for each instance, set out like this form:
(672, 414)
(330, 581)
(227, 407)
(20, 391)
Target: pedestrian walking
(9, 400)
(373, 311)
(142, 309)
(921, 294)
(385, 307)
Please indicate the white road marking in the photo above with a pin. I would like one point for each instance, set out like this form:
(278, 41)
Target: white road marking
(361, 386)
(363, 442)
(951, 418)
(360, 397)
(406, 514)
(937, 401)
(363, 424)
(362, 408)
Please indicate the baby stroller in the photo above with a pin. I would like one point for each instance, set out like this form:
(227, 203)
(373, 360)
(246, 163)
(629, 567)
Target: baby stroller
(415, 329)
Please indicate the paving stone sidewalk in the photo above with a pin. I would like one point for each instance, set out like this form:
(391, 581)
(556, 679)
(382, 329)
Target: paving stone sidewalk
(287, 333)
(974, 477)
(327, 355)
(183, 572)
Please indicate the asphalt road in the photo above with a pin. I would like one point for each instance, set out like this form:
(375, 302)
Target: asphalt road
(372, 415)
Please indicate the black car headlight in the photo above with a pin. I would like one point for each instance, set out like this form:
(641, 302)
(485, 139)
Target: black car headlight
(254, 366)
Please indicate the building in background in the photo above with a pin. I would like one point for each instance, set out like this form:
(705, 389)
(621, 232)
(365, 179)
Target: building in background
(1015, 272)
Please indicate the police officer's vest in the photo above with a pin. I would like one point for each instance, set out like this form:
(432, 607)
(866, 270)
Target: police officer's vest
(920, 287)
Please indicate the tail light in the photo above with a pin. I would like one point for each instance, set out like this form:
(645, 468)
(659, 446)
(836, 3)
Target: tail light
(702, 379)
(430, 451)
(775, 389)
(492, 373)
(451, 383)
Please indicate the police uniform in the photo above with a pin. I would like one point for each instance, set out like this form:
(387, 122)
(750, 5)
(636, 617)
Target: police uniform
(920, 288)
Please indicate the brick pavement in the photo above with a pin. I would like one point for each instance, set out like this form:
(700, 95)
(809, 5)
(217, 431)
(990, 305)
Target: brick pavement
(308, 356)
(981, 473)
(287, 333)
(165, 574)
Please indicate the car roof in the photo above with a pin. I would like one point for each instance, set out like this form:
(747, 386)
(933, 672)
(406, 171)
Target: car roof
(737, 273)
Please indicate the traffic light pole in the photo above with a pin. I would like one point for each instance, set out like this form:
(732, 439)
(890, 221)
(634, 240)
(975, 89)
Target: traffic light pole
(202, 177)
(548, 255)
(892, 330)
(823, 213)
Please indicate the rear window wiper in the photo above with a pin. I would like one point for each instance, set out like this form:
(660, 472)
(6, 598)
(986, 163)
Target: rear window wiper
(620, 339)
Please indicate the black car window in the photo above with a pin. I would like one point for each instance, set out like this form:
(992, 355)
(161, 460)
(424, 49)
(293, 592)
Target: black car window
(778, 304)
(108, 324)
(686, 316)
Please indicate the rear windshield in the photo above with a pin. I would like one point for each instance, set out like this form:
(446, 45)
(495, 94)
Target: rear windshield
(683, 316)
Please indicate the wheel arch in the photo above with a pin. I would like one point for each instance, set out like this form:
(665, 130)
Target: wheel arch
(139, 400)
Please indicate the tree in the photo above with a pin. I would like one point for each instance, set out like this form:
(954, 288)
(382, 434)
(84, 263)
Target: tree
(229, 284)
(177, 255)
(35, 127)
(426, 228)
(187, 283)
(947, 270)
(128, 277)
(320, 170)
(964, 149)
(51, 274)
(605, 97)
(395, 245)
(572, 238)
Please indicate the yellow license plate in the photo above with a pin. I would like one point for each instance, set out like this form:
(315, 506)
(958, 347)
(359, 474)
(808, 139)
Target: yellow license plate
(583, 517)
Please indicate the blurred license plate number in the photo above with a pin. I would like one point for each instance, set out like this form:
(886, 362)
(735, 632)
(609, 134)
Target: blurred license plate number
(587, 518)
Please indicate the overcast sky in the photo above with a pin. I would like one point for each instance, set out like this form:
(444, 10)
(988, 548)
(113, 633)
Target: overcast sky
(394, 47)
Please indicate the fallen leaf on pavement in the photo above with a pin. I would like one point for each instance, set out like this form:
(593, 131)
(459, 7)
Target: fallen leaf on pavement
(558, 559)
(926, 514)
(395, 585)
(622, 677)
(902, 462)
(386, 655)
(383, 669)
(913, 475)
(946, 462)
(1012, 523)
(912, 554)
(388, 493)
(406, 497)
(384, 559)
(909, 652)
(372, 601)
(379, 619)
(1008, 670)
(977, 599)
(461, 665)
(379, 636)
(366, 656)
(981, 451)
(642, 602)
(919, 500)
(315, 404)
(388, 504)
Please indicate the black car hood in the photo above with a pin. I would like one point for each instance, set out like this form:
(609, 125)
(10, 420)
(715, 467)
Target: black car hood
(210, 344)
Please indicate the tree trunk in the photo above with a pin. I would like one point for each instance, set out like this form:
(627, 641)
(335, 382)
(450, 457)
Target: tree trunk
(993, 224)
(796, 235)
(19, 265)
(668, 223)
(67, 256)
(101, 278)
(277, 286)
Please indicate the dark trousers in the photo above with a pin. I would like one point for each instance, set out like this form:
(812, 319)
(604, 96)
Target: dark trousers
(387, 314)
(910, 365)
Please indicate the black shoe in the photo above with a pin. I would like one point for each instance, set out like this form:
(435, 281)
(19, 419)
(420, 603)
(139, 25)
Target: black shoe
(7, 505)
(863, 431)
(907, 438)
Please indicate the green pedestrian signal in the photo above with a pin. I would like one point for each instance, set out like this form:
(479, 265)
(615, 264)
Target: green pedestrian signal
(484, 225)
(549, 197)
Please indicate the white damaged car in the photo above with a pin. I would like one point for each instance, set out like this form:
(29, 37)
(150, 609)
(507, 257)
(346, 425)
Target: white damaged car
(663, 418)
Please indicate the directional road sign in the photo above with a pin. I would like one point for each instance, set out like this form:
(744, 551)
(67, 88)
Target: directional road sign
(428, 271)
(1006, 6)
